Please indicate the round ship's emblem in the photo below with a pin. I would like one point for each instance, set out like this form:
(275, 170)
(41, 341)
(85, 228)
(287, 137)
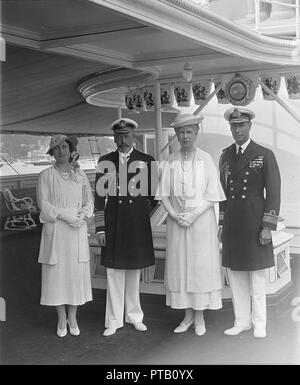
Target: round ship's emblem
(240, 90)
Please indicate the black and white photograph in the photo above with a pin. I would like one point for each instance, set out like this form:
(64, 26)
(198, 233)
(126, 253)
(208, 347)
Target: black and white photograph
(149, 221)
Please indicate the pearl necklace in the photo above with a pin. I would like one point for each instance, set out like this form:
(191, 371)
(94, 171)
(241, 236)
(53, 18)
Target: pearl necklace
(185, 170)
(185, 160)
(64, 174)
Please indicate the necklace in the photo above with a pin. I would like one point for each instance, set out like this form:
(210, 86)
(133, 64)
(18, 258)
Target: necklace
(186, 167)
(186, 163)
(64, 174)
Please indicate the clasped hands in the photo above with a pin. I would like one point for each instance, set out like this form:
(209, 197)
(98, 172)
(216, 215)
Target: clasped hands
(74, 220)
(185, 219)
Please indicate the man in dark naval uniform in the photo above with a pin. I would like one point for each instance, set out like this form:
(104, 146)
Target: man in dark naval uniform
(251, 181)
(123, 202)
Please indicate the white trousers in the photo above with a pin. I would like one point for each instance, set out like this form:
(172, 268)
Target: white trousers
(122, 294)
(244, 286)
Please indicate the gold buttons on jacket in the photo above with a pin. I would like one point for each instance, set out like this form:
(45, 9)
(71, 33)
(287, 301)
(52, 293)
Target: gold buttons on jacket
(245, 188)
(243, 196)
(231, 188)
(120, 201)
(245, 180)
(130, 201)
(247, 172)
(231, 181)
(232, 196)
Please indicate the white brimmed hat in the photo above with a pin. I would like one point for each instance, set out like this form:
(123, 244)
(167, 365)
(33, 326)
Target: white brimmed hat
(186, 120)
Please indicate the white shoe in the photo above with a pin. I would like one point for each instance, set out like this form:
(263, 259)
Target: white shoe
(140, 327)
(61, 332)
(236, 330)
(109, 332)
(200, 330)
(73, 331)
(183, 327)
(259, 333)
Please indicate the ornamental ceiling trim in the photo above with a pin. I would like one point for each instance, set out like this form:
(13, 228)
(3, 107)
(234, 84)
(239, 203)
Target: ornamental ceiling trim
(135, 92)
(115, 78)
(201, 25)
(196, 10)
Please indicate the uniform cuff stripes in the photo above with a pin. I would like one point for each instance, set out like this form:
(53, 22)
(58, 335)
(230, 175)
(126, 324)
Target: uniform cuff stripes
(221, 218)
(269, 221)
(99, 221)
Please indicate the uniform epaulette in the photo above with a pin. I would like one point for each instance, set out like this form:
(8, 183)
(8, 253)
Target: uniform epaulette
(228, 148)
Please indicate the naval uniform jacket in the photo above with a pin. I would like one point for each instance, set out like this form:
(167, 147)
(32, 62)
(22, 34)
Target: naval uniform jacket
(125, 218)
(252, 188)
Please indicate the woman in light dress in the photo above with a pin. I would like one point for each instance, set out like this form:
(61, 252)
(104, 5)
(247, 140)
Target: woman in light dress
(66, 202)
(189, 187)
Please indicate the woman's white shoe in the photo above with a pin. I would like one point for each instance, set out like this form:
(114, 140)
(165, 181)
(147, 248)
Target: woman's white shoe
(200, 329)
(199, 323)
(183, 327)
(61, 332)
(73, 331)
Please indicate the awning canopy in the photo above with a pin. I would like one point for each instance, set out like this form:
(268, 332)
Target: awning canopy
(40, 96)
(52, 45)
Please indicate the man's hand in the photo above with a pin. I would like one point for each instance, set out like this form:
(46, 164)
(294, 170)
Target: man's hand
(265, 237)
(101, 239)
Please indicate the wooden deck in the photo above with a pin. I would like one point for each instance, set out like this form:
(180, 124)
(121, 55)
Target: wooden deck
(28, 335)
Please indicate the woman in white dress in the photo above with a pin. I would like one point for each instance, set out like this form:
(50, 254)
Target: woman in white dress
(66, 202)
(189, 187)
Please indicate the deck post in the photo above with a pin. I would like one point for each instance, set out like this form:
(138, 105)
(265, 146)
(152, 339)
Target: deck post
(280, 101)
(257, 16)
(297, 5)
(158, 121)
(119, 112)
